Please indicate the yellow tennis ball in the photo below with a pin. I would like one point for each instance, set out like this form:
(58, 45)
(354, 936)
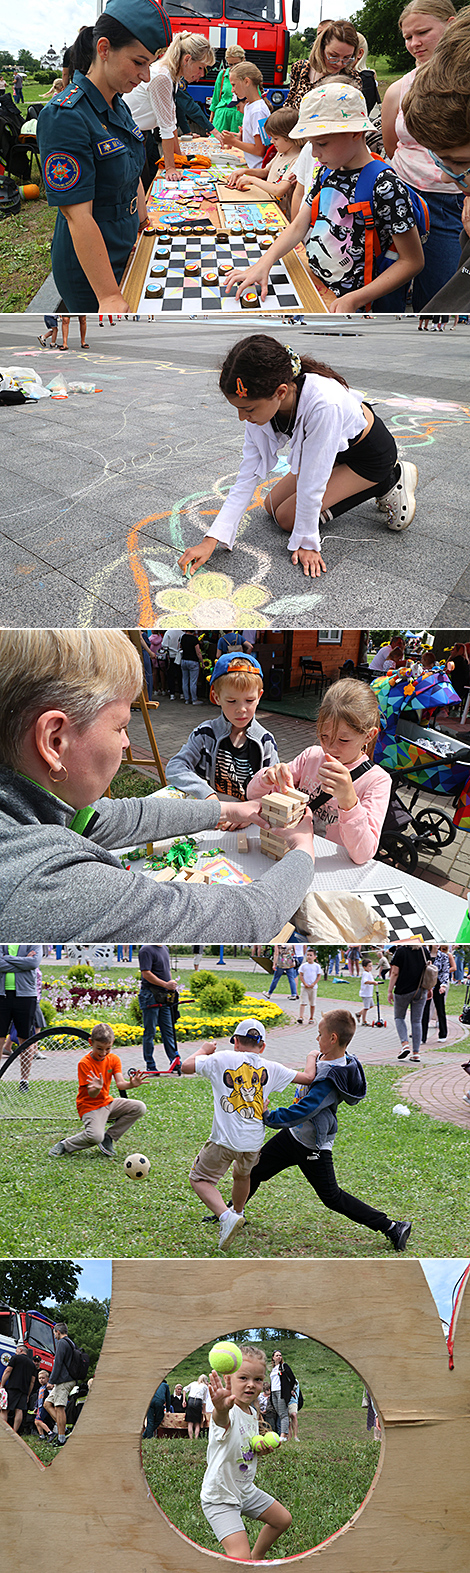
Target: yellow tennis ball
(225, 1358)
(269, 1438)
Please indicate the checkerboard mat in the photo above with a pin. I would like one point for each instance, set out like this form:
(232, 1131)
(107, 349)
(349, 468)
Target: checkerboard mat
(192, 296)
(401, 912)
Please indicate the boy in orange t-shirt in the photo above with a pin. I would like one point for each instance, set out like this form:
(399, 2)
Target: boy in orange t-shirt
(96, 1107)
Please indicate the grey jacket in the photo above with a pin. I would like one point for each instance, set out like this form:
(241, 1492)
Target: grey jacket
(193, 768)
(62, 885)
(24, 967)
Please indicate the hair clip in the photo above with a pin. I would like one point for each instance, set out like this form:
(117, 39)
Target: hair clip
(241, 390)
(294, 360)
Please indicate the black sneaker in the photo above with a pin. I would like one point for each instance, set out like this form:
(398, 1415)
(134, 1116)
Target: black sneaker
(404, 1054)
(399, 1235)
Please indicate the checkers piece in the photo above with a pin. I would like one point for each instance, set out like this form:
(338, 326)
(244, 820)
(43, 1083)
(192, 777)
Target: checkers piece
(224, 269)
(158, 271)
(162, 251)
(265, 241)
(250, 300)
(210, 277)
(154, 291)
(236, 228)
(192, 268)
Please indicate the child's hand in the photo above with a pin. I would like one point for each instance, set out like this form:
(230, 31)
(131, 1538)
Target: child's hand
(209, 1048)
(335, 778)
(197, 555)
(137, 1079)
(221, 1395)
(312, 562)
(258, 274)
(95, 1084)
(311, 1063)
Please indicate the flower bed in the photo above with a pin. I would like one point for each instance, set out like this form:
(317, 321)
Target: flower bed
(194, 1022)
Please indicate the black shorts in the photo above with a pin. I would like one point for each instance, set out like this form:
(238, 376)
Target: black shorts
(373, 457)
(194, 1410)
(22, 1012)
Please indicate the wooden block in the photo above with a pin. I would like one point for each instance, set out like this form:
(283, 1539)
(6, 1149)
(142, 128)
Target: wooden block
(296, 795)
(163, 875)
(149, 849)
(272, 846)
(197, 876)
(279, 809)
(242, 841)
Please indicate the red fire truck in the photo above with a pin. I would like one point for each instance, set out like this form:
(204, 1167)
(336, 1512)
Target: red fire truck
(31, 1328)
(260, 27)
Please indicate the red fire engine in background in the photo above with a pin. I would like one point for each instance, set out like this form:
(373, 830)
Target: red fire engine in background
(31, 1328)
(260, 27)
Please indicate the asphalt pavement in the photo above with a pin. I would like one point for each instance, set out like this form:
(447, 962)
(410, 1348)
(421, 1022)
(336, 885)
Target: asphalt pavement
(101, 494)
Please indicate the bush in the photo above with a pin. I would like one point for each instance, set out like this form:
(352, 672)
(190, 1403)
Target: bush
(48, 1011)
(82, 973)
(46, 77)
(200, 980)
(215, 997)
(135, 1011)
(236, 990)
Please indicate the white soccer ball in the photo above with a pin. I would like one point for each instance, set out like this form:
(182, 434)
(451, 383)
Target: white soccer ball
(136, 1166)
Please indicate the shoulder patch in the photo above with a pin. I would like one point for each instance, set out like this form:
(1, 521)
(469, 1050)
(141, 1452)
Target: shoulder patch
(69, 96)
(61, 171)
(136, 132)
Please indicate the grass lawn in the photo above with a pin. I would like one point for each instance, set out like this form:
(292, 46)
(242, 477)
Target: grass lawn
(86, 1206)
(25, 258)
(337, 1457)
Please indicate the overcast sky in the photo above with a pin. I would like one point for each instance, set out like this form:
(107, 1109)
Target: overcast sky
(36, 26)
(442, 1275)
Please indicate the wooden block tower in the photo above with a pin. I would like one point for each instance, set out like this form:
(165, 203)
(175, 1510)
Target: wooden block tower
(280, 808)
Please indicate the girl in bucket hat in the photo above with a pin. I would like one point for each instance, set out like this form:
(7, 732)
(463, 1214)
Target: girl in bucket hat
(92, 156)
(334, 119)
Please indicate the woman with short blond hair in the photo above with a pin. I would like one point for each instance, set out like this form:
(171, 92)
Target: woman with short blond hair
(153, 103)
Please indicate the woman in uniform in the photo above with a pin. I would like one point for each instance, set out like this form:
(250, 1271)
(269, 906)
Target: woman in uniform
(92, 156)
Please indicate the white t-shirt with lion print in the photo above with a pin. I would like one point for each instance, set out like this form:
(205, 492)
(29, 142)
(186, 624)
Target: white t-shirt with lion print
(240, 1085)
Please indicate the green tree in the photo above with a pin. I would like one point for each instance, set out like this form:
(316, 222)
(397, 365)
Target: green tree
(6, 60)
(26, 1285)
(27, 62)
(86, 1321)
(301, 44)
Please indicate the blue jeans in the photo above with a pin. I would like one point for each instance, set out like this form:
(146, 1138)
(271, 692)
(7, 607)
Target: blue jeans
(441, 254)
(190, 674)
(290, 974)
(156, 1016)
(459, 961)
(334, 962)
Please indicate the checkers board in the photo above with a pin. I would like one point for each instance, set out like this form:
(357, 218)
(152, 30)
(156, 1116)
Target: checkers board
(401, 912)
(173, 290)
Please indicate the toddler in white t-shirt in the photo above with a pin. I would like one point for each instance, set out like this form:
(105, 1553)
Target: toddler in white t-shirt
(241, 1084)
(228, 1489)
(309, 973)
(366, 991)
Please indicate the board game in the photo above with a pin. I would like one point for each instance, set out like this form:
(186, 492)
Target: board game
(402, 914)
(185, 275)
(193, 198)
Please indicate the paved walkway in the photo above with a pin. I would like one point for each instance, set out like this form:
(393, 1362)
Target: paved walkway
(437, 1086)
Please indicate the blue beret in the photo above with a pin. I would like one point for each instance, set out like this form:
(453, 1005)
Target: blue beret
(145, 19)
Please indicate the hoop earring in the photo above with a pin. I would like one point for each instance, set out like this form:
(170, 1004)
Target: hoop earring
(59, 780)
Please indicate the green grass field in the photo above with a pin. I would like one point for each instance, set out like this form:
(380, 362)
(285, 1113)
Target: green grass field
(86, 1206)
(322, 1480)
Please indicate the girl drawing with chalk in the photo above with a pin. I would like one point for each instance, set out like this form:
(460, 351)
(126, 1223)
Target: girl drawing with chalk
(341, 453)
(349, 795)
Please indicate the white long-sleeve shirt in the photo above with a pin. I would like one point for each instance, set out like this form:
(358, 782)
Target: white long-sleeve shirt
(328, 415)
(152, 103)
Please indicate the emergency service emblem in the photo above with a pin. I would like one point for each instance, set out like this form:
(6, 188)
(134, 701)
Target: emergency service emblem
(112, 145)
(61, 171)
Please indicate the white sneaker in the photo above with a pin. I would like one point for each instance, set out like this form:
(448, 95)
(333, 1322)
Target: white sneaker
(400, 503)
(229, 1227)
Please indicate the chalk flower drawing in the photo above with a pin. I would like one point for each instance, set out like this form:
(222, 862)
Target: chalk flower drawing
(211, 600)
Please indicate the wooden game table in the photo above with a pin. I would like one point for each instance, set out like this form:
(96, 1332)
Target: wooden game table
(197, 235)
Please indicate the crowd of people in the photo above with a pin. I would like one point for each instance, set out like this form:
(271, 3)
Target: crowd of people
(128, 75)
(278, 1403)
(45, 1403)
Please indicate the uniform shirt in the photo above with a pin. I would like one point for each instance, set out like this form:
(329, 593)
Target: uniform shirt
(90, 151)
(88, 1067)
(231, 1463)
(335, 244)
(240, 1083)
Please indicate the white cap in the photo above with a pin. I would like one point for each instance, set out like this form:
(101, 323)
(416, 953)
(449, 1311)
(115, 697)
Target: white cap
(250, 1028)
(331, 108)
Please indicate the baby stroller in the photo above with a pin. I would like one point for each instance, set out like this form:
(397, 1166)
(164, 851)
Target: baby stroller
(408, 746)
(405, 834)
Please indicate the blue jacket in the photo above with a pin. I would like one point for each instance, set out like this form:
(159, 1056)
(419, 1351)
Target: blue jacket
(193, 768)
(344, 1084)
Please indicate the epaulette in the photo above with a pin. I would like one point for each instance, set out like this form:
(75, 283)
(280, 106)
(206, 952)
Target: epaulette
(69, 96)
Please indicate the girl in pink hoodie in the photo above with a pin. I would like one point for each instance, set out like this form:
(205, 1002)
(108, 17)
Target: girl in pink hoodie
(349, 795)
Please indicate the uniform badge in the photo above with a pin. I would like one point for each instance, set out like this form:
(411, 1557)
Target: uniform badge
(112, 145)
(136, 132)
(61, 171)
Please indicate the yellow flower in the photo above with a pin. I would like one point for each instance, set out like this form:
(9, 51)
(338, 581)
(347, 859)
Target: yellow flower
(210, 599)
